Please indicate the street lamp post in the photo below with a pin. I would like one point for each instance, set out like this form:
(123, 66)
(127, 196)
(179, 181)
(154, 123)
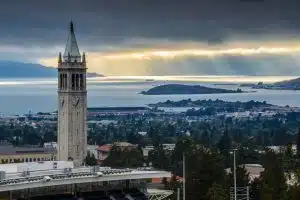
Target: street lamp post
(183, 169)
(234, 173)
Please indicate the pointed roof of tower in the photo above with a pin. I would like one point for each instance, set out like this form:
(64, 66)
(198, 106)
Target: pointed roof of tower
(71, 47)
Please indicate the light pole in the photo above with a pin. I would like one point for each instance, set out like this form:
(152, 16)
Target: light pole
(183, 169)
(234, 173)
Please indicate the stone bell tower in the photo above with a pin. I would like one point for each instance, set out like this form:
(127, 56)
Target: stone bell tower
(72, 103)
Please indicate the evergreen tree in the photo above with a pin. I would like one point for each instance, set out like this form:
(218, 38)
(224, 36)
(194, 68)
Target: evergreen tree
(90, 159)
(124, 158)
(298, 145)
(242, 177)
(217, 192)
(205, 138)
(159, 158)
(273, 184)
(225, 146)
(203, 168)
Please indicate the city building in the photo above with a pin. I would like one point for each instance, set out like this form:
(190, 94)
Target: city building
(11, 154)
(103, 152)
(72, 103)
(50, 145)
(93, 150)
(147, 149)
(116, 111)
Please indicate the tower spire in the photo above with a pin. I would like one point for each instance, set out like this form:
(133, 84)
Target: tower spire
(71, 27)
(71, 46)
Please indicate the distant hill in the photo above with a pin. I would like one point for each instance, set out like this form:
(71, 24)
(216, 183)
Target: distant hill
(11, 69)
(293, 82)
(170, 89)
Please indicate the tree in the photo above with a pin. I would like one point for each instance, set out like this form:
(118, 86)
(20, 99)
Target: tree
(225, 146)
(205, 138)
(90, 159)
(298, 145)
(159, 158)
(242, 177)
(203, 169)
(217, 192)
(124, 158)
(273, 184)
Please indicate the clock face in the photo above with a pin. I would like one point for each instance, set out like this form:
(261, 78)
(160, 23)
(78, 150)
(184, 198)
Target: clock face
(76, 102)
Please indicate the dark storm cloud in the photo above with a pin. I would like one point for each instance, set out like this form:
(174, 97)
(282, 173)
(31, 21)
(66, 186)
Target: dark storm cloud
(38, 29)
(109, 22)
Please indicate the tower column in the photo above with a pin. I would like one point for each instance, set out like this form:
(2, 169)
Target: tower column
(72, 103)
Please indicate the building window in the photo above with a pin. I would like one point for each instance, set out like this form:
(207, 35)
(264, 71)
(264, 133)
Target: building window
(60, 81)
(77, 81)
(26, 160)
(81, 81)
(77, 150)
(30, 159)
(66, 81)
(73, 81)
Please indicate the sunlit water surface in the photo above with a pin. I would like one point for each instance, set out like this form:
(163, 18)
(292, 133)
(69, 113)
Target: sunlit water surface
(18, 96)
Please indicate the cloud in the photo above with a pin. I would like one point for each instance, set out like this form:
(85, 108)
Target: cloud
(36, 30)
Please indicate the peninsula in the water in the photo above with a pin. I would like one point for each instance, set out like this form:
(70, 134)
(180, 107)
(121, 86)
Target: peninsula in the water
(171, 89)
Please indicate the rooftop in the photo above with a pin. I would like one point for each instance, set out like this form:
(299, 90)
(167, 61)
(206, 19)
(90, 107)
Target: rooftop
(11, 150)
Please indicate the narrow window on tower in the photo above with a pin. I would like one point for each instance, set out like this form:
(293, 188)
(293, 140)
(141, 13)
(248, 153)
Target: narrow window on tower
(66, 81)
(73, 81)
(77, 81)
(77, 150)
(60, 81)
(81, 81)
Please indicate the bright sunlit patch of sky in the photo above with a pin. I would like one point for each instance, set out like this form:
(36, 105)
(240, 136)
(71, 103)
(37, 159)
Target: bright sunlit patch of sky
(165, 79)
(142, 62)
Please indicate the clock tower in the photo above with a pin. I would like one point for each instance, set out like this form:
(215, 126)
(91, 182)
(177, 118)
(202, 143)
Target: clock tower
(72, 103)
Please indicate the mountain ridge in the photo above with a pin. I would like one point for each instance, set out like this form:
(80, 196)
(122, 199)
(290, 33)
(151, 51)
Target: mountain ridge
(15, 69)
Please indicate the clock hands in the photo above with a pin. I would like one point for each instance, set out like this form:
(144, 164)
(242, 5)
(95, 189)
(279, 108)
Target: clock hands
(77, 102)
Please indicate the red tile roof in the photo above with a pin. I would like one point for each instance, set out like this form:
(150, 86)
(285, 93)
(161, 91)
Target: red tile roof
(105, 148)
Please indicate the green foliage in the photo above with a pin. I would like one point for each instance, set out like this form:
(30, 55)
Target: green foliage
(160, 158)
(242, 177)
(203, 169)
(217, 192)
(298, 146)
(273, 185)
(90, 159)
(124, 158)
(225, 147)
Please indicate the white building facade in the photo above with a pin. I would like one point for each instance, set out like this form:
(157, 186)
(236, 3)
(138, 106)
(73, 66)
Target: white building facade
(72, 103)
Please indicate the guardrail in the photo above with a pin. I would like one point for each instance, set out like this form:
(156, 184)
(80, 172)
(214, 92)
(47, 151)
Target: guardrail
(72, 175)
(77, 178)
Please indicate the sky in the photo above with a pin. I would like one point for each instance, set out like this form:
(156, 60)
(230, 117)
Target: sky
(158, 37)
